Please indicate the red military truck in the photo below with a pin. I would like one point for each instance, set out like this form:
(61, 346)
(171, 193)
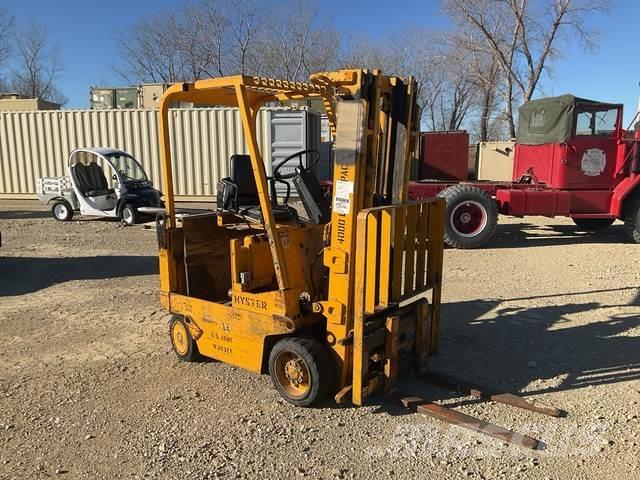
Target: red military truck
(572, 158)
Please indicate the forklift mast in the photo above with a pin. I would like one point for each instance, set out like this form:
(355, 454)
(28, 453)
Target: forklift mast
(375, 141)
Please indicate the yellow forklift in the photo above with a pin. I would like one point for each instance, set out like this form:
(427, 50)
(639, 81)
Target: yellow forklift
(336, 296)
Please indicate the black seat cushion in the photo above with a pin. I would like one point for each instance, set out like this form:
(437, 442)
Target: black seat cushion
(238, 193)
(90, 180)
(97, 193)
(280, 212)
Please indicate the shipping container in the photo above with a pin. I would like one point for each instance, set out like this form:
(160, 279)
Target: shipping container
(126, 97)
(37, 144)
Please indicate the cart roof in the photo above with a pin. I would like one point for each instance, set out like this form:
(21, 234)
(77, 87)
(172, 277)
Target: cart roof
(104, 151)
(550, 120)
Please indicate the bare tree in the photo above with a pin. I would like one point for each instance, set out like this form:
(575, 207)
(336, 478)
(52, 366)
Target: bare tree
(150, 51)
(455, 88)
(37, 65)
(299, 42)
(6, 26)
(245, 21)
(210, 26)
(210, 38)
(484, 70)
(446, 92)
(523, 36)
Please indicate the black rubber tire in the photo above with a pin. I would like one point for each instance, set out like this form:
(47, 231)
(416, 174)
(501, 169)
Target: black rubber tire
(464, 193)
(191, 354)
(132, 216)
(316, 360)
(593, 224)
(65, 204)
(631, 217)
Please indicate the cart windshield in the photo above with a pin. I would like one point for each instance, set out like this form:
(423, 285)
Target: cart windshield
(128, 167)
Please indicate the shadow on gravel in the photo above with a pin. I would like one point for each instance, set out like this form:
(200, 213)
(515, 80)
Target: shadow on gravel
(24, 214)
(22, 275)
(527, 235)
(525, 345)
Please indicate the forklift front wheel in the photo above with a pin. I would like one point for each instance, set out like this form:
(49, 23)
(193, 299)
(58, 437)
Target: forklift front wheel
(61, 211)
(129, 215)
(298, 369)
(181, 340)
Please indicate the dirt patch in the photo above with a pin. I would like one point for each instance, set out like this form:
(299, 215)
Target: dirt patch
(91, 389)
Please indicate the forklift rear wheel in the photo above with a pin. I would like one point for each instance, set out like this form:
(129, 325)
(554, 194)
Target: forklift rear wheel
(631, 217)
(181, 340)
(593, 224)
(298, 369)
(129, 215)
(61, 211)
(472, 216)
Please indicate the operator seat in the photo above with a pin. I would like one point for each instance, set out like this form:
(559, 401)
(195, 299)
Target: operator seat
(238, 193)
(91, 180)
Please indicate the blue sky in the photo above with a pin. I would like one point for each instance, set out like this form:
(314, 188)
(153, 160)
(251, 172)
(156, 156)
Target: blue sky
(84, 31)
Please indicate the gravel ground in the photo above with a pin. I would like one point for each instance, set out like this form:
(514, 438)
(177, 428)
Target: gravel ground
(91, 390)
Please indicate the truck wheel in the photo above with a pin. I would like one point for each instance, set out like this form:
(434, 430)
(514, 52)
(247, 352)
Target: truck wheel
(61, 210)
(182, 342)
(298, 369)
(631, 217)
(129, 215)
(593, 224)
(472, 216)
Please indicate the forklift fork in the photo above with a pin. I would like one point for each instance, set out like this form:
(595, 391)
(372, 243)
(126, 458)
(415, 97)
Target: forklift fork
(420, 405)
(398, 269)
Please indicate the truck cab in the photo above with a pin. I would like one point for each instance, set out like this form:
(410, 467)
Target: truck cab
(569, 143)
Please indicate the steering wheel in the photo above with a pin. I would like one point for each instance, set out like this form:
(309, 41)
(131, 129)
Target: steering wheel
(276, 170)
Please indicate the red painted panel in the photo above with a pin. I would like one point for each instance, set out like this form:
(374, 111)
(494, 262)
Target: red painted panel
(590, 201)
(419, 190)
(519, 202)
(591, 162)
(542, 160)
(586, 162)
(444, 155)
(622, 191)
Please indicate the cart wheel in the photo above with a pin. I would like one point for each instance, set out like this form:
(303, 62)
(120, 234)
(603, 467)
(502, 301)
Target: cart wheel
(298, 369)
(631, 217)
(61, 210)
(593, 224)
(472, 216)
(129, 215)
(181, 340)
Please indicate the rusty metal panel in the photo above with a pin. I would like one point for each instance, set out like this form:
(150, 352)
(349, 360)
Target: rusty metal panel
(37, 143)
(444, 155)
(495, 161)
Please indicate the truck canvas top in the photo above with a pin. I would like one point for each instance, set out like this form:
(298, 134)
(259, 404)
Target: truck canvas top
(551, 120)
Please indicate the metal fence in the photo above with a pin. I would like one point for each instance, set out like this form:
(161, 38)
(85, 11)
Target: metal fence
(37, 143)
